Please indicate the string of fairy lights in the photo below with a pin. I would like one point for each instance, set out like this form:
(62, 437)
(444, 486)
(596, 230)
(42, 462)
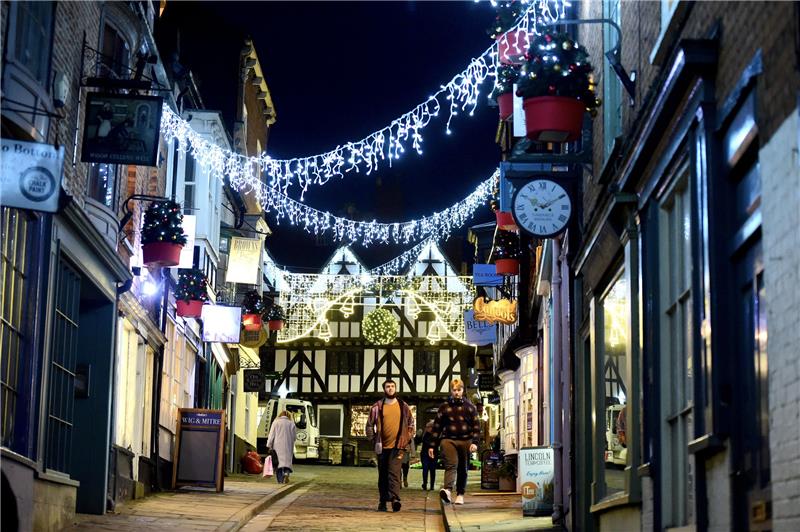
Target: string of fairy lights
(459, 95)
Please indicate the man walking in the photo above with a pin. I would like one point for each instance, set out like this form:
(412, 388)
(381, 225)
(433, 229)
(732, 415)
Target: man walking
(456, 429)
(390, 427)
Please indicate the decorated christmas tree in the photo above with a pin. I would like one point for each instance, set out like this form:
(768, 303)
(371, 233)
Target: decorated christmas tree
(506, 246)
(163, 223)
(191, 286)
(275, 313)
(253, 303)
(507, 15)
(507, 75)
(557, 66)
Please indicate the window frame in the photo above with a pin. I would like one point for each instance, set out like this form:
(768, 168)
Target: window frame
(340, 408)
(612, 89)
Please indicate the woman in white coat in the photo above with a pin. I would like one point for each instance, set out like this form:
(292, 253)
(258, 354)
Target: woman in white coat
(281, 442)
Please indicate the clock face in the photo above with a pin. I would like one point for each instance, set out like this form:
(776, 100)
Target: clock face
(542, 207)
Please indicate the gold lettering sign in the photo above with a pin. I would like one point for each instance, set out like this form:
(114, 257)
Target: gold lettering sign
(253, 339)
(500, 311)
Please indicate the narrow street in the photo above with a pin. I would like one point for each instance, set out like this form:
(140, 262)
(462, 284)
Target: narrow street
(321, 498)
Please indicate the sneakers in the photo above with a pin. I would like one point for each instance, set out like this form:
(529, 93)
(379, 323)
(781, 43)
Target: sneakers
(444, 494)
(424, 487)
(405, 482)
(396, 505)
(459, 499)
(382, 507)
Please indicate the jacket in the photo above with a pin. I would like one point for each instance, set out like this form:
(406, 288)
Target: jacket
(456, 419)
(375, 423)
(282, 434)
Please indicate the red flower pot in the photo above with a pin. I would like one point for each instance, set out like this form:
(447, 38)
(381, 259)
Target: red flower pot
(275, 325)
(190, 309)
(505, 221)
(506, 266)
(163, 254)
(252, 322)
(553, 118)
(512, 46)
(506, 104)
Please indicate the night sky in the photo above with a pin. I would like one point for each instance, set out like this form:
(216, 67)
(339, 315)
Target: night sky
(338, 71)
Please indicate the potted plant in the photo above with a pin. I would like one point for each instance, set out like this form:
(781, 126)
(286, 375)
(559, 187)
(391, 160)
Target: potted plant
(253, 307)
(507, 475)
(191, 293)
(505, 221)
(502, 93)
(162, 234)
(276, 317)
(506, 253)
(511, 45)
(557, 88)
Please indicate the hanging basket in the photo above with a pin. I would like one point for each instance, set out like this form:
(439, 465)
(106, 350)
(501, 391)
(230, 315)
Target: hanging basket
(275, 325)
(252, 322)
(505, 221)
(190, 309)
(511, 47)
(506, 104)
(164, 254)
(507, 266)
(553, 118)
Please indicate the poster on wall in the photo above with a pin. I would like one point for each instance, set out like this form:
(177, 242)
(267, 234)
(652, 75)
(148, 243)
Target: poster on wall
(121, 129)
(30, 175)
(478, 332)
(536, 477)
(359, 415)
(243, 260)
(221, 324)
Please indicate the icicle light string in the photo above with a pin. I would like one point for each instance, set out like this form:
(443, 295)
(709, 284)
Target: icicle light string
(461, 94)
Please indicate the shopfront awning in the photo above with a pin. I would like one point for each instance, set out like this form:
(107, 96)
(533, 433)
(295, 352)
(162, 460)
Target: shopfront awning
(221, 354)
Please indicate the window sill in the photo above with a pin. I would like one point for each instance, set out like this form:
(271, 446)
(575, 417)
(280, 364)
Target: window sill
(643, 470)
(611, 502)
(58, 478)
(707, 444)
(24, 460)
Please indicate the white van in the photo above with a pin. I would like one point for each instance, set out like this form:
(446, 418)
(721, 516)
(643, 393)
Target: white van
(306, 444)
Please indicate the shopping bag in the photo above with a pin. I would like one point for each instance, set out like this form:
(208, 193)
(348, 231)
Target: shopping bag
(268, 467)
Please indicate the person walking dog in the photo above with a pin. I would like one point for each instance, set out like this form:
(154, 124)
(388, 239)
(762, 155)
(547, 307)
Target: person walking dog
(390, 427)
(456, 430)
(281, 441)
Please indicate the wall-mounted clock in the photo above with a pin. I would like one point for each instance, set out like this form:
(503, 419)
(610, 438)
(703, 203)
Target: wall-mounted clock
(542, 207)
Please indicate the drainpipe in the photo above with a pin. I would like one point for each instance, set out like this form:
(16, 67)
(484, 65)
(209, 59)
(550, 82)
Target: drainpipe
(557, 411)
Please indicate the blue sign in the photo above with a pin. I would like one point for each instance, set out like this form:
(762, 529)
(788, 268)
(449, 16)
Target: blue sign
(201, 419)
(486, 275)
(478, 332)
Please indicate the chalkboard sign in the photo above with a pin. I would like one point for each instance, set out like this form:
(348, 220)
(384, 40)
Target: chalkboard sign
(254, 380)
(489, 465)
(198, 448)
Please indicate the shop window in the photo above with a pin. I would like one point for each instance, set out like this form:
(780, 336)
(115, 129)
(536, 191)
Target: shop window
(189, 187)
(612, 88)
(614, 345)
(426, 363)
(331, 420)
(102, 184)
(18, 246)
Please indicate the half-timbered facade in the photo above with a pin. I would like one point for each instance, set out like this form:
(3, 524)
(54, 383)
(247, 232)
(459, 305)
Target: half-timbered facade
(322, 355)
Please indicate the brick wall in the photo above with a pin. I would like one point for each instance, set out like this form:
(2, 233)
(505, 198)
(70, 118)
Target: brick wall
(781, 240)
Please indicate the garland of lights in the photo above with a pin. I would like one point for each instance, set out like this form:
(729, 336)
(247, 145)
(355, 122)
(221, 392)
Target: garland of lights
(380, 327)
(459, 94)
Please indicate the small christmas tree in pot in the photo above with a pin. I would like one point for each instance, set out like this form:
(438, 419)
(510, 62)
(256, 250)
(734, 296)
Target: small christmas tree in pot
(511, 45)
(557, 88)
(254, 307)
(162, 234)
(276, 317)
(506, 253)
(502, 93)
(191, 293)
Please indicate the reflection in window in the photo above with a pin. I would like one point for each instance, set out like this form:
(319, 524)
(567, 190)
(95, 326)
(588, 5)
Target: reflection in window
(615, 346)
(102, 181)
(34, 25)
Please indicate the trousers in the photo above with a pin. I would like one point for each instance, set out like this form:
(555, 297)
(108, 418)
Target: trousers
(428, 467)
(456, 461)
(389, 474)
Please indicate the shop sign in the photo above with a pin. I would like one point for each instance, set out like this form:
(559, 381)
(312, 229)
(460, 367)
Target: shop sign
(121, 129)
(221, 324)
(253, 339)
(537, 474)
(254, 380)
(30, 175)
(490, 463)
(486, 275)
(485, 382)
(243, 260)
(478, 332)
(501, 311)
(199, 441)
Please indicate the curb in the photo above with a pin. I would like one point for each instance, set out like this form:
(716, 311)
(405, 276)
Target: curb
(243, 516)
(449, 516)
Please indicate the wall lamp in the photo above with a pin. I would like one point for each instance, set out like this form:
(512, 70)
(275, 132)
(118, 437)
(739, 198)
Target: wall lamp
(613, 55)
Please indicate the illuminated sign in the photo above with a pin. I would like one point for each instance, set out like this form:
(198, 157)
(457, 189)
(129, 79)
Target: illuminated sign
(500, 311)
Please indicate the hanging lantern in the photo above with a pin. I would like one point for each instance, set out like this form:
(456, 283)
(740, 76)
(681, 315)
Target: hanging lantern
(380, 327)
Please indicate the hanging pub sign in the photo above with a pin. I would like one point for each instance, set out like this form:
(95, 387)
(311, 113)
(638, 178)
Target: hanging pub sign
(486, 275)
(198, 448)
(243, 260)
(478, 332)
(121, 129)
(30, 175)
(536, 477)
(253, 339)
(221, 324)
(501, 311)
(254, 380)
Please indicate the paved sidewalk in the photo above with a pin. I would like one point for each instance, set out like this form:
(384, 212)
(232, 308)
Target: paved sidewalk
(490, 511)
(194, 509)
